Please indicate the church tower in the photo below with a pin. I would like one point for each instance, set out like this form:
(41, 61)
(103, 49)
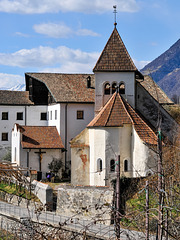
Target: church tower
(115, 71)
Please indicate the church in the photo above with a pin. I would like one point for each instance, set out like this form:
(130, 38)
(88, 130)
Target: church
(94, 117)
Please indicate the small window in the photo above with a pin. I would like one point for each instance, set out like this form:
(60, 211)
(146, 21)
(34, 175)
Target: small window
(4, 115)
(112, 165)
(50, 115)
(4, 137)
(125, 165)
(19, 116)
(80, 114)
(122, 88)
(43, 116)
(114, 88)
(99, 165)
(15, 154)
(107, 89)
(55, 114)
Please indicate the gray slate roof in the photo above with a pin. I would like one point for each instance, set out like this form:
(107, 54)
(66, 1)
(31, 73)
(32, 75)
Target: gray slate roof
(14, 98)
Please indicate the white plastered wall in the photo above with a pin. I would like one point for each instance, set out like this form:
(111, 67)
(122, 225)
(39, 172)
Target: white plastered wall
(140, 156)
(97, 150)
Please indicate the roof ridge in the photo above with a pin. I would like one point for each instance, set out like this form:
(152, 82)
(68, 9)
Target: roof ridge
(110, 110)
(126, 108)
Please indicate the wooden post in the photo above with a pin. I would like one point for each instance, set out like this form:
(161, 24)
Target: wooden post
(147, 210)
(117, 217)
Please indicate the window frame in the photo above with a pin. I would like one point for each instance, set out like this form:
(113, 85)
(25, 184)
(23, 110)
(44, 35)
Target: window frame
(126, 165)
(80, 115)
(107, 90)
(99, 165)
(122, 90)
(112, 165)
(4, 139)
(19, 116)
(5, 116)
(43, 116)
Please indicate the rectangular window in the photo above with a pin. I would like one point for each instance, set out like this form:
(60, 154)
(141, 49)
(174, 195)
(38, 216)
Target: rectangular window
(50, 115)
(43, 116)
(55, 114)
(4, 115)
(4, 137)
(19, 116)
(80, 114)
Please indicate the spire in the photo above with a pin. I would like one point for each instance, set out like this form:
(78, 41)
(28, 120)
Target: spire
(114, 57)
(115, 12)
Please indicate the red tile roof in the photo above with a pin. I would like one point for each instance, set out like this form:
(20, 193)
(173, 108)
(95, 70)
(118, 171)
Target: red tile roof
(36, 137)
(118, 112)
(113, 114)
(115, 56)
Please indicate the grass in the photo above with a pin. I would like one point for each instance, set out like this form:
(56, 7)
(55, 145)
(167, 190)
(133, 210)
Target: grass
(17, 190)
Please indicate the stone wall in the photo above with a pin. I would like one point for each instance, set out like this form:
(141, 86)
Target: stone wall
(90, 203)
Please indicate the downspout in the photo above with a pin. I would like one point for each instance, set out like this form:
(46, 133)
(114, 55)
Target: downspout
(25, 116)
(66, 136)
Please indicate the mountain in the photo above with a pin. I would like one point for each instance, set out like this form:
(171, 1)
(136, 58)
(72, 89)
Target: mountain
(19, 87)
(165, 70)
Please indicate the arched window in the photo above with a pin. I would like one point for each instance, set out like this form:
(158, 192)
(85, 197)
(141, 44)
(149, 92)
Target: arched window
(99, 165)
(125, 165)
(107, 89)
(122, 88)
(112, 165)
(113, 88)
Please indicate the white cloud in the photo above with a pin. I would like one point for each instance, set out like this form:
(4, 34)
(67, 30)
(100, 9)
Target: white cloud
(60, 30)
(47, 6)
(47, 57)
(53, 30)
(21, 34)
(140, 64)
(9, 80)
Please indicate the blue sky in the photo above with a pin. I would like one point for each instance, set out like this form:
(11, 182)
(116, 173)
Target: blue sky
(68, 35)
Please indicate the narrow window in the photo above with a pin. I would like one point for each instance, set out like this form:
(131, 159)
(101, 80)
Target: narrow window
(122, 88)
(125, 165)
(19, 116)
(4, 137)
(112, 165)
(50, 115)
(114, 88)
(107, 89)
(15, 154)
(4, 115)
(55, 114)
(80, 114)
(43, 116)
(99, 165)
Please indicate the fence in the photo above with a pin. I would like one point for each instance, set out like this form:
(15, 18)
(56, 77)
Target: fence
(98, 231)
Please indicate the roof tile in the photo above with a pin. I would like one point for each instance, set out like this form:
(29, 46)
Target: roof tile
(44, 137)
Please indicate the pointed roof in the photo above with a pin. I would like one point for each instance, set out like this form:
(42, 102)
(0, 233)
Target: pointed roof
(118, 112)
(115, 56)
(113, 114)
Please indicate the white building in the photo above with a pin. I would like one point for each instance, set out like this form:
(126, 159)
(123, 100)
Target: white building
(118, 129)
(70, 101)
(35, 147)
